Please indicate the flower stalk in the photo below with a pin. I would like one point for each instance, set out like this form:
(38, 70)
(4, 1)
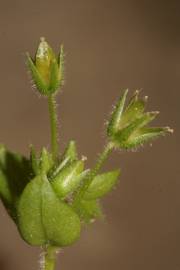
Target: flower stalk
(88, 180)
(54, 126)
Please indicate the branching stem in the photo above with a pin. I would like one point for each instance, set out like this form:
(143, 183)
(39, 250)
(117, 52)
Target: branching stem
(100, 161)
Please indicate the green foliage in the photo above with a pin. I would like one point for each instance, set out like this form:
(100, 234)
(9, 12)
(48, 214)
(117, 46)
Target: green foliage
(88, 210)
(43, 218)
(15, 173)
(50, 196)
(38, 194)
(101, 185)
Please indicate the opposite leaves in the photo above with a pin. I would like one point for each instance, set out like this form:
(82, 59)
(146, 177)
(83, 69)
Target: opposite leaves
(43, 218)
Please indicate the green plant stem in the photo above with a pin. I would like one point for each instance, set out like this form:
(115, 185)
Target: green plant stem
(49, 258)
(100, 161)
(54, 126)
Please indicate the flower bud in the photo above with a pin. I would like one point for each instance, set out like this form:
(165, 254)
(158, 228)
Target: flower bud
(47, 69)
(128, 128)
(67, 180)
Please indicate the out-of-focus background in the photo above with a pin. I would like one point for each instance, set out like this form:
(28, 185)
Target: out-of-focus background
(110, 46)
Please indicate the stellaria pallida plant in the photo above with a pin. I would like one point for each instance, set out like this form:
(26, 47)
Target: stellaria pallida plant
(51, 196)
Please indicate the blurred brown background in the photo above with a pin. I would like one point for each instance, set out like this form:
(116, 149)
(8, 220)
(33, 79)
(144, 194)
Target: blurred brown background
(110, 45)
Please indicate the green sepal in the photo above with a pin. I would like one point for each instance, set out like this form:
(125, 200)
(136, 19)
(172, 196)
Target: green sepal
(133, 111)
(88, 210)
(34, 160)
(15, 173)
(46, 161)
(113, 125)
(41, 164)
(69, 155)
(70, 151)
(68, 179)
(145, 135)
(36, 76)
(61, 65)
(54, 80)
(101, 185)
(43, 218)
(121, 137)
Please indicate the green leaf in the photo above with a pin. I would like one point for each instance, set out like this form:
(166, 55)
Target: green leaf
(15, 173)
(101, 185)
(43, 218)
(68, 179)
(88, 210)
(5, 194)
(114, 122)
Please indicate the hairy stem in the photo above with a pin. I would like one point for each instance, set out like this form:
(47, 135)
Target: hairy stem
(54, 126)
(100, 161)
(49, 260)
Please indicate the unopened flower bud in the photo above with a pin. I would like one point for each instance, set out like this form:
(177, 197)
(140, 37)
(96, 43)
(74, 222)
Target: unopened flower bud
(47, 69)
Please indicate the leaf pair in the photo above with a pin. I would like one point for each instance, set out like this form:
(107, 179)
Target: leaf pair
(39, 195)
(43, 218)
(31, 201)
